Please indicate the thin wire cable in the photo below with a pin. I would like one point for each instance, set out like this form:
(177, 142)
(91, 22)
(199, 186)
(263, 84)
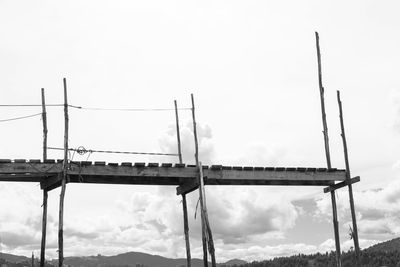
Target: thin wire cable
(20, 118)
(33, 105)
(82, 151)
(126, 109)
(96, 108)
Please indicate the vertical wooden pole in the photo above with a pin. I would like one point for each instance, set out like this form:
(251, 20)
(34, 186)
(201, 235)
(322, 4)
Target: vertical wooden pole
(348, 177)
(327, 154)
(184, 205)
(64, 180)
(211, 248)
(44, 220)
(206, 229)
(196, 155)
(33, 260)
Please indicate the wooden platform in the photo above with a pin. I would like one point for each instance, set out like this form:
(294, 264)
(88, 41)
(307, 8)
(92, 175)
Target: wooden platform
(184, 176)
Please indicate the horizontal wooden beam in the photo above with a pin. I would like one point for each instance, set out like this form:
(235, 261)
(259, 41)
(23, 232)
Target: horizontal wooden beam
(341, 184)
(180, 175)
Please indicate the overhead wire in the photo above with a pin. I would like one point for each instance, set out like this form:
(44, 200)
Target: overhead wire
(81, 151)
(20, 118)
(95, 108)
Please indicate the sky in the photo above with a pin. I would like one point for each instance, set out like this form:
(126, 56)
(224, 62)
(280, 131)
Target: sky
(252, 68)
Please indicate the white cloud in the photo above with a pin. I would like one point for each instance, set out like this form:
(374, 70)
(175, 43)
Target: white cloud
(377, 210)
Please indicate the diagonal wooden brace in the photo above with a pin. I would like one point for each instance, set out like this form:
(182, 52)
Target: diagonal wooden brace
(341, 184)
(188, 187)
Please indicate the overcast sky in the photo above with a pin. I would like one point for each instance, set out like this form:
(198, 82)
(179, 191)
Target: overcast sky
(252, 68)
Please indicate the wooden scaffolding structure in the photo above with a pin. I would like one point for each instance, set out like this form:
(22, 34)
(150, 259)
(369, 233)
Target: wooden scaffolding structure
(52, 174)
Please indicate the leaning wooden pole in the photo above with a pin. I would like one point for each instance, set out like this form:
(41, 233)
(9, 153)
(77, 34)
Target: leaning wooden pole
(196, 155)
(64, 181)
(211, 248)
(327, 154)
(348, 177)
(206, 229)
(184, 205)
(44, 220)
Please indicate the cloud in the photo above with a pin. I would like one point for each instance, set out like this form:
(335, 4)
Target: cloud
(380, 220)
(168, 143)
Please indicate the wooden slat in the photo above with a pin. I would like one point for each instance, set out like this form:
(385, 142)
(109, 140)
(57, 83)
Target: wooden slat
(113, 164)
(166, 165)
(49, 161)
(99, 163)
(258, 168)
(180, 165)
(34, 161)
(19, 160)
(152, 165)
(247, 168)
(5, 160)
(126, 164)
(216, 167)
(140, 164)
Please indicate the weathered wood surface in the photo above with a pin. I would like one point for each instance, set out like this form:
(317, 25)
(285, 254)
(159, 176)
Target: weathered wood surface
(48, 174)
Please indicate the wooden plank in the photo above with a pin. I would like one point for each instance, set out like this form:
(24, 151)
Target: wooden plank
(126, 164)
(166, 165)
(36, 178)
(152, 165)
(171, 176)
(99, 163)
(341, 184)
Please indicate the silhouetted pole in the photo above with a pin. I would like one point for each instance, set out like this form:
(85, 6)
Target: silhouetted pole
(327, 154)
(63, 181)
(348, 177)
(184, 205)
(44, 220)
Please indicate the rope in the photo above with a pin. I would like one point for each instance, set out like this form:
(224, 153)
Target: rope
(20, 118)
(81, 151)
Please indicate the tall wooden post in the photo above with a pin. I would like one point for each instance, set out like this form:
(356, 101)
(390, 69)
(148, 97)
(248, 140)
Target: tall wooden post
(64, 180)
(348, 177)
(327, 154)
(184, 205)
(44, 220)
(196, 155)
(205, 225)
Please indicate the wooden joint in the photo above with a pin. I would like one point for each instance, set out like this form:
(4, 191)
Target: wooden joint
(341, 184)
(187, 187)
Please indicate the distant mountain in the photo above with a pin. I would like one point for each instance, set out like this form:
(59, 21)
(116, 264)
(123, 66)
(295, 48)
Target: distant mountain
(234, 262)
(388, 246)
(13, 258)
(136, 259)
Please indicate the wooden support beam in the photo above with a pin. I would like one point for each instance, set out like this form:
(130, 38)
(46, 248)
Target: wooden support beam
(184, 205)
(346, 158)
(327, 154)
(45, 195)
(341, 184)
(63, 181)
